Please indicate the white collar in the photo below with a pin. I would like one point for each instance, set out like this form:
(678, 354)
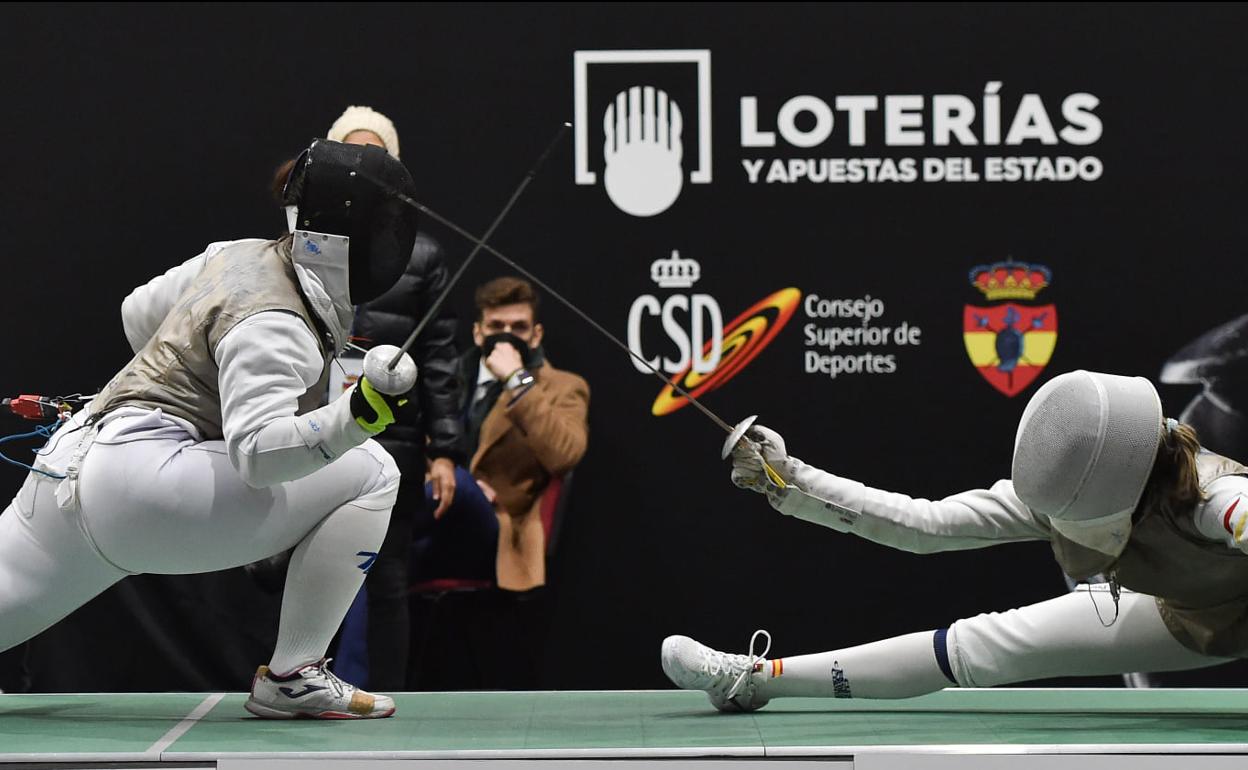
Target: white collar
(322, 267)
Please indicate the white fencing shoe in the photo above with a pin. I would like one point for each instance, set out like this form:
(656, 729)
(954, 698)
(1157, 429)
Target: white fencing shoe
(730, 681)
(313, 692)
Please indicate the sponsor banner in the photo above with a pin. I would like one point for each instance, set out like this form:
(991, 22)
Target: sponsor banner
(643, 126)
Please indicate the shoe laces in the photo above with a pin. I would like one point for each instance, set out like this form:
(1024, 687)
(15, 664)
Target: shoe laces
(743, 680)
(322, 668)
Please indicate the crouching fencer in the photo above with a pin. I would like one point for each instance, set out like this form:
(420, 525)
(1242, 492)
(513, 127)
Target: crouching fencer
(1116, 490)
(210, 449)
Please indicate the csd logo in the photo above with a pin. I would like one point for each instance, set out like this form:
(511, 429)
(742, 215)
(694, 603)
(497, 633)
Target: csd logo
(744, 338)
(710, 352)
(696, 351)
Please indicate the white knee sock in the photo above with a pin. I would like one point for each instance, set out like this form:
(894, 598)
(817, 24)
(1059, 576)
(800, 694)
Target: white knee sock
(326, 572)
(901, 667)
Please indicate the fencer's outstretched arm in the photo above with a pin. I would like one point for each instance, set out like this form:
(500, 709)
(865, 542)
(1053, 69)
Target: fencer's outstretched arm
(267, 362)
(144, 310)
(973, 519)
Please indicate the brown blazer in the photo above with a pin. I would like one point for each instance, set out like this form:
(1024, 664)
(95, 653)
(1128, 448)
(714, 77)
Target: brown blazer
(522, 446)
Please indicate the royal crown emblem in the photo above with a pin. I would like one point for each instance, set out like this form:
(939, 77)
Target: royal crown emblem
(674, 272)
(1010, 280)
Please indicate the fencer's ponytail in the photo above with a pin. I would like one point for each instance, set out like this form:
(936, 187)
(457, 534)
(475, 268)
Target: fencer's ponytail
(1174, 484)
(277, 189)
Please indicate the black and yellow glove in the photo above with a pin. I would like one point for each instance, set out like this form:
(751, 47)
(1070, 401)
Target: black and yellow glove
(372, 409)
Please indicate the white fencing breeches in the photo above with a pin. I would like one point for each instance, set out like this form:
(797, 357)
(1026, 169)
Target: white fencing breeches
(151, 499)
(1065, 637)
(1059, 637)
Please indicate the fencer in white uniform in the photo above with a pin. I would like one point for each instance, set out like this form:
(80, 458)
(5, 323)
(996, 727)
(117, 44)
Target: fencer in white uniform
(209, 450)
(1115, 488)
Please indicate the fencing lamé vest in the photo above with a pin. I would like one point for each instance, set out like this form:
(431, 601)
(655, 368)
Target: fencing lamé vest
(1201, 586)
(176, 370)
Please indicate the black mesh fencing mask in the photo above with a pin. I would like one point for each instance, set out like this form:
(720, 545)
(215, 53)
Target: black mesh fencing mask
(349, 189)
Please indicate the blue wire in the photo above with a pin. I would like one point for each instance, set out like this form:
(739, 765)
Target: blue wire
(44, 431)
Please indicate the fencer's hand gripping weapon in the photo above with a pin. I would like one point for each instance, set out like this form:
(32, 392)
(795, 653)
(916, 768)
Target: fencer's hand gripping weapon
(736, 433)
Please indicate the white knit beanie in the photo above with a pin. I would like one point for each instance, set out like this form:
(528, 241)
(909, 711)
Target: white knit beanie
(366, 119)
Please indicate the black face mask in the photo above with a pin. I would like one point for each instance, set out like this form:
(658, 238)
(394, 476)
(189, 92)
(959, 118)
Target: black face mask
(522, 347)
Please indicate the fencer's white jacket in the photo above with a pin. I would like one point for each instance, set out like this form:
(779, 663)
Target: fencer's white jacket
(973, 519)
(266, 362)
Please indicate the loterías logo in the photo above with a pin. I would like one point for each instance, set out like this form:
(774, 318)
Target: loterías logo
(644, 129)
(649, 112)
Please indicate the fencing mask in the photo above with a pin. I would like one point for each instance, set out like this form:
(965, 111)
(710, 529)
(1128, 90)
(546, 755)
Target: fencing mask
(1085, 448)
(346, 190)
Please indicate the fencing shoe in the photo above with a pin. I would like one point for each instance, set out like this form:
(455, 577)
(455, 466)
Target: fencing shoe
(313, 692)
(730, 681)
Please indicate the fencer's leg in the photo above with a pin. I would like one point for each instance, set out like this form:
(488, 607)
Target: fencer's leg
(197, 515)
(1060, 637)
(900, 667)
(1067, 637)
(328, 567)
(47, 566)
(326, 572)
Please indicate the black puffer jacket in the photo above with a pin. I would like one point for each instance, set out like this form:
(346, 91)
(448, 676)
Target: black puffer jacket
(388, 320)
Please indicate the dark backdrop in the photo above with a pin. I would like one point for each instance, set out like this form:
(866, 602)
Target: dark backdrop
(135, 134)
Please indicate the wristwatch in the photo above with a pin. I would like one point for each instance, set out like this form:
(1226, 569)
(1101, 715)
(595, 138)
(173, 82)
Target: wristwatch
(520, 378)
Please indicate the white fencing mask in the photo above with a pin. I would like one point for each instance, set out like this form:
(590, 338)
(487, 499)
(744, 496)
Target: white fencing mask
(1084, 451)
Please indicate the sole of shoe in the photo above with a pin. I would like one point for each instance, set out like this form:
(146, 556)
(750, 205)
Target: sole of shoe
(265, 712)
(734, 706)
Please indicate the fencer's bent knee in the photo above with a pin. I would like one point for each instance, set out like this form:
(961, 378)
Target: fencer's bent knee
(995, 648)
(381, 484)
(969, 658)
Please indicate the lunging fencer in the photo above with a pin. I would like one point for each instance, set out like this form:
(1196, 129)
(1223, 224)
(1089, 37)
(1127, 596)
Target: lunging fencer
(210, 449)
(1098, 472)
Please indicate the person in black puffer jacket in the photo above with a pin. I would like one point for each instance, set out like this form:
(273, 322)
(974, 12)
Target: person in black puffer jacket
(389, 319)
(430, 428)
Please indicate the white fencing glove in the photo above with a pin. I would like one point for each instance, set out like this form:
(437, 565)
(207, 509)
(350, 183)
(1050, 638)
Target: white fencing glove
(769, 442)
(758, 445)
(747, 467)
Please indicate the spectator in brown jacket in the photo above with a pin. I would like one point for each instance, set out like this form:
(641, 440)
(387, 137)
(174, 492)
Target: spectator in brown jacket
(525, 423)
